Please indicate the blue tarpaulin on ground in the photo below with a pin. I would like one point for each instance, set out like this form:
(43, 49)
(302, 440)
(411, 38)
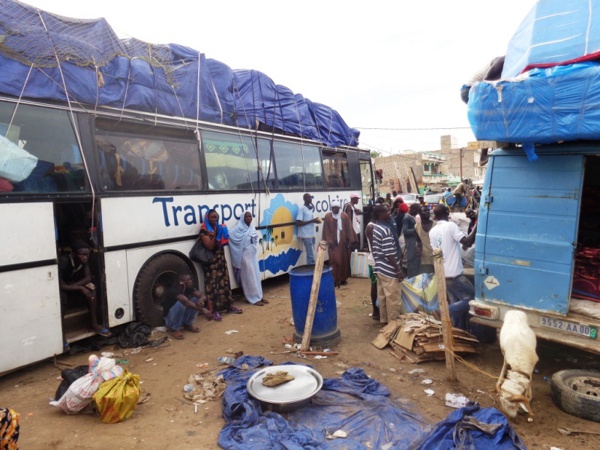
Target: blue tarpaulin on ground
(471, 428)
(357, 405)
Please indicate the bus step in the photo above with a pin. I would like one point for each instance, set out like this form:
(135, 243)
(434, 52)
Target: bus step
(78, 335)
(77, 312)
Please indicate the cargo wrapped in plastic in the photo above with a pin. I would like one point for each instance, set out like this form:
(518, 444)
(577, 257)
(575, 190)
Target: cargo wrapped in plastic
(541, 106)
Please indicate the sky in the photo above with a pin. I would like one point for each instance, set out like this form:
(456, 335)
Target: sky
(393, 69)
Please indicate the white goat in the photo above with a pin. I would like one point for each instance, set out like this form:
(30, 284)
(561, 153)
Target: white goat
(517, 342)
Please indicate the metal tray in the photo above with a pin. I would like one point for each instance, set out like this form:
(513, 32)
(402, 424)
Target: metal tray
(287, 396)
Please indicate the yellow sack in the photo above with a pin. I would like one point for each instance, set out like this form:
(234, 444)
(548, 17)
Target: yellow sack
(116, 399)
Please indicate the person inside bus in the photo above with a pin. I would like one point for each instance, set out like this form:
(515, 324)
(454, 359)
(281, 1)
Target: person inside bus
(339, 234)
(306, 227)
(215, 237)
(243, 246)
(76, 282)
(182, 307)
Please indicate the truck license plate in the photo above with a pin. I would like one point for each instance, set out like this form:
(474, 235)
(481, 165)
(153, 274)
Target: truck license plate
(569, 327)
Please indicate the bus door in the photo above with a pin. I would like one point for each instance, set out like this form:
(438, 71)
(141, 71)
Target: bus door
(29, 292)
(74, 222)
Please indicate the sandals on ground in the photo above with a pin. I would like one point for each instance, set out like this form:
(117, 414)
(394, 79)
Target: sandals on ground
(104, 332)
(234, 310)
(266, 302)
(259, 303)
(217, 317)
(191, 328)
(176, 334)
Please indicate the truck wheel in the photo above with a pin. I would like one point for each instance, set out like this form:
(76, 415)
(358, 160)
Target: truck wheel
(154, 281)
(577, 392)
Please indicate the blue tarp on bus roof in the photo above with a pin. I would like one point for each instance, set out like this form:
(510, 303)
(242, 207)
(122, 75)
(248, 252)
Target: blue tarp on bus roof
(554, 32)
(49, 57)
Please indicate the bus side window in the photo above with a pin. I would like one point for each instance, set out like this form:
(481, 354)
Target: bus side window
(107, 163)
(336, 169)
(48, 136)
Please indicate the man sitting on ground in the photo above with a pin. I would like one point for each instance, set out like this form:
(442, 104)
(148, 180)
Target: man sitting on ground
(183, 306)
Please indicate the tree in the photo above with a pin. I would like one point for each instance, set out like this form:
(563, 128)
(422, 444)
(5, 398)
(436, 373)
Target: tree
(375, 154)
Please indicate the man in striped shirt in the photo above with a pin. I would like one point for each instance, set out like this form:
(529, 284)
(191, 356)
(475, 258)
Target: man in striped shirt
(387, 266)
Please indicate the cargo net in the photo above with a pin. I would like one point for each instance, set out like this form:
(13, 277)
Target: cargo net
(41, 39)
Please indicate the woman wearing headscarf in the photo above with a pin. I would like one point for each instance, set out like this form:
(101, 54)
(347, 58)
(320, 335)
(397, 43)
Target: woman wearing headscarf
(215, 237)
(339, 234)
(243, 246)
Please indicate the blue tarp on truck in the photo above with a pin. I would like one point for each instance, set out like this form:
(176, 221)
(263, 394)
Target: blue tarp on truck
(538, 236)
(49, 57)
(550, 83)
(555, 32)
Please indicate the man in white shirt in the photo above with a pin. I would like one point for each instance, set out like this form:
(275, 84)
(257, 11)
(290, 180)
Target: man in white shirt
(306, 227)
(448, 237)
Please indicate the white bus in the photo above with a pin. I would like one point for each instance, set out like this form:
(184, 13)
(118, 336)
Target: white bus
(137, 186)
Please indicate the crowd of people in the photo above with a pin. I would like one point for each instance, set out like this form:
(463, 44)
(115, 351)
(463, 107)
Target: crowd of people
(401, 242)
(400, 238)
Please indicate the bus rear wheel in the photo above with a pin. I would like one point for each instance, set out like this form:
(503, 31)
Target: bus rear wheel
(156, 279)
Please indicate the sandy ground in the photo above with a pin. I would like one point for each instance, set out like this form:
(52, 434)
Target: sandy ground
(167, 421)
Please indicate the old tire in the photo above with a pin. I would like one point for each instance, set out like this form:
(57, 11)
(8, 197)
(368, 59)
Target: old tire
(154, 281)
(577, 392)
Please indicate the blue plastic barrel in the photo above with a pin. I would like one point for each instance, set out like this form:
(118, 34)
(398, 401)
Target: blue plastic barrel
(324, 331)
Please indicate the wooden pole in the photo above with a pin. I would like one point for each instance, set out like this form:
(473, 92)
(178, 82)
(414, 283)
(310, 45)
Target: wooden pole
(438, 264)
(314, 293)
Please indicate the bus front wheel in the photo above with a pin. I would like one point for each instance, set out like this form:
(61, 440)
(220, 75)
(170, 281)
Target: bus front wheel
(157, 280)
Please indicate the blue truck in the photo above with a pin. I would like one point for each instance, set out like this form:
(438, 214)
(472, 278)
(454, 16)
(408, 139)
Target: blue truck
(538, 242)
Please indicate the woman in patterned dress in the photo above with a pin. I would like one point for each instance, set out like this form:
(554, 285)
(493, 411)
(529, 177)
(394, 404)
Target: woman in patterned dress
(216, 275)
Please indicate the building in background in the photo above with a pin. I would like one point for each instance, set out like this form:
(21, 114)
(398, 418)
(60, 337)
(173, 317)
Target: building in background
(410, 171)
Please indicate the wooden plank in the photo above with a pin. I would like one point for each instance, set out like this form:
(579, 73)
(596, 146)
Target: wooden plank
(438, 265)
(314, 293)
(438, 347)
